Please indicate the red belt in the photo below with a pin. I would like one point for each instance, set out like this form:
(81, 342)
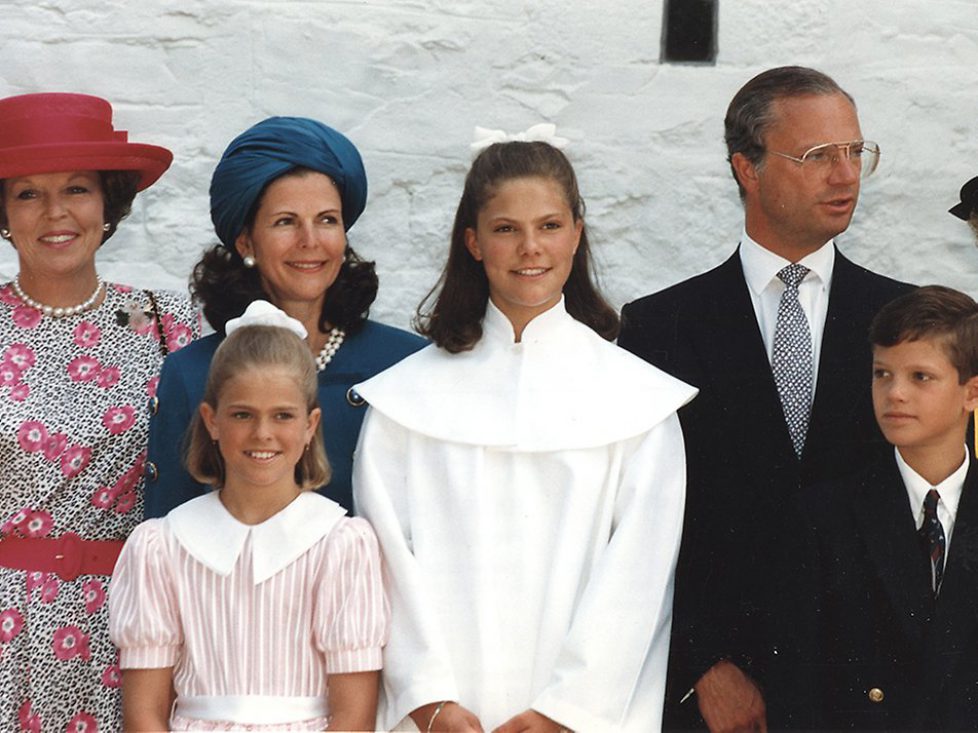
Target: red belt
(68, 555)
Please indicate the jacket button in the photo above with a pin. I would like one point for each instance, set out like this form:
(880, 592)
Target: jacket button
(876, 695)
(154, 405)
(152, 473)
(353, 397)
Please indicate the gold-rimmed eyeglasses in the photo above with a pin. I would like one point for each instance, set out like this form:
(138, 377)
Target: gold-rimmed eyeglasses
(863, 154)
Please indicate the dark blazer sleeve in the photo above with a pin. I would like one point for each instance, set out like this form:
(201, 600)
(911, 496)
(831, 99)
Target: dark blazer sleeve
(708, 622)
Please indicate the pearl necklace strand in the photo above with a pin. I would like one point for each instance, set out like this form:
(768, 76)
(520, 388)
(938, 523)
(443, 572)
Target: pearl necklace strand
(59, 311)
(330, 348)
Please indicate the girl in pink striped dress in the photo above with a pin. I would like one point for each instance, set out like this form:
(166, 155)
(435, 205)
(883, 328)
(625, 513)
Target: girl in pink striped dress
(258, 606)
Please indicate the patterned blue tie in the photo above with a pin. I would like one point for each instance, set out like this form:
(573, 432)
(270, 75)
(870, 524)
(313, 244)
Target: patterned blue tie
(931, 535)
(791, 362)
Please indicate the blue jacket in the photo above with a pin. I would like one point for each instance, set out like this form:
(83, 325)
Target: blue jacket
(181, 389)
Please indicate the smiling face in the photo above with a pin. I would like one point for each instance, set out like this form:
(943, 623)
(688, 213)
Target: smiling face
(526, 238)
(794, 209)
(262, 427)
(55, 221)
(297, 240)
(917, 398)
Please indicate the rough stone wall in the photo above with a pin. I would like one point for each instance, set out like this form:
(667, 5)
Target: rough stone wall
(407, 80)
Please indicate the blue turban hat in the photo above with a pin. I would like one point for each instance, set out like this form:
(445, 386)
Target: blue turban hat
(271, 148)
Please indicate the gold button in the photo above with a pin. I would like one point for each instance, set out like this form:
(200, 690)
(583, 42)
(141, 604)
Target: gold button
(876, 695)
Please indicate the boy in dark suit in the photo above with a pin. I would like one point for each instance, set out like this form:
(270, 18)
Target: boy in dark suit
(893, 550)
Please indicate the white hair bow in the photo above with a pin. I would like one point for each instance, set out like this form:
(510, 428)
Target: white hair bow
(263, 313)
(545, 132)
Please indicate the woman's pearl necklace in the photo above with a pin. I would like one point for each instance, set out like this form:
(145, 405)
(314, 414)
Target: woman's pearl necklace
(59, 311)
(330, 348)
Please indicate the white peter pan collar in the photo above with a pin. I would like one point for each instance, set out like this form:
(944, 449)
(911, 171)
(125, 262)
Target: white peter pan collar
(561, 387)
(206, 530)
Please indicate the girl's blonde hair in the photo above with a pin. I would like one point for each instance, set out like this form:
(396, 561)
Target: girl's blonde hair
(257, 347)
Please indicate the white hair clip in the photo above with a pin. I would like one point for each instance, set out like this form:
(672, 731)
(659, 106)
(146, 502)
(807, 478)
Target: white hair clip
(545, 132)
(263, 313)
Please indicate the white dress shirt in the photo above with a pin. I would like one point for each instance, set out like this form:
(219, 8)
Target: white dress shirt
(761, 267)
(949, 489)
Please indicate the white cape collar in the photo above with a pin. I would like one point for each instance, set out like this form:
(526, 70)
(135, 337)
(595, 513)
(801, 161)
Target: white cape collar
(206, 530)
(561, 387)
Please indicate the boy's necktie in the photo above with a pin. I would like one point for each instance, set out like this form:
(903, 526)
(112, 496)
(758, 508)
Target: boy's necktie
(791, 361)
(931, 535)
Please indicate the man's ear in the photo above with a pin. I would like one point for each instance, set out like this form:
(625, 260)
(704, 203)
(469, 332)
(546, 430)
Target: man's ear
(745, 171)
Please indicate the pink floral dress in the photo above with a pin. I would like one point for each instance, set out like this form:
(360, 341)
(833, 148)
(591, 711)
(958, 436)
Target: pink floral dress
(73, 425)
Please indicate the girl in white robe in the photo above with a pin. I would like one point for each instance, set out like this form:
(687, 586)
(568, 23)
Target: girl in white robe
(525, 478)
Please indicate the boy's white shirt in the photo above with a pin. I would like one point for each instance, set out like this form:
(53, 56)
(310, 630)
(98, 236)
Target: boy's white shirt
(950, 490)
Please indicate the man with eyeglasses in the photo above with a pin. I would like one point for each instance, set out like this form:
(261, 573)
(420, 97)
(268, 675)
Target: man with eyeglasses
(776, 340)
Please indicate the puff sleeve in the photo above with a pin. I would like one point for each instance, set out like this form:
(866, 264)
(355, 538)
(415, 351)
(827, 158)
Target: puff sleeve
(144, 620)
(352, 615)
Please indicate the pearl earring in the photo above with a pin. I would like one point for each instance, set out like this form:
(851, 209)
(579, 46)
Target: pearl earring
(106, 227)
(248, 261)
(5, 233)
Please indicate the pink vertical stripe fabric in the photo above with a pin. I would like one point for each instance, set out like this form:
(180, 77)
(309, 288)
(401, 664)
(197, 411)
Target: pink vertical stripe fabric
(325, 613)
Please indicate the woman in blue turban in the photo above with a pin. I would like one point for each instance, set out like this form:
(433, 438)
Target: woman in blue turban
(283, 197)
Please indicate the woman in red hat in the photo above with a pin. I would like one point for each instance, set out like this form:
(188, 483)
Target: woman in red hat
(79, 357)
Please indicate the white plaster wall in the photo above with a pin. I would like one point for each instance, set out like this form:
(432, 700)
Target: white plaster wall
(408, 79)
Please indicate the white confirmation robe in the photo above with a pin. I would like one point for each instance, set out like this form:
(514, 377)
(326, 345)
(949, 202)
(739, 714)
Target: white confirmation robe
(528, 498)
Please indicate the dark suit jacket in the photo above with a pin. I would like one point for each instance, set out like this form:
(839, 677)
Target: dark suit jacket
(742, 469)
(876, 624)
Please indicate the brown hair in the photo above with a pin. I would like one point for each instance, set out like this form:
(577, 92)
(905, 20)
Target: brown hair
(932, 312)
(253, 347)
(118, 193)
(454, 319)
(751, 112)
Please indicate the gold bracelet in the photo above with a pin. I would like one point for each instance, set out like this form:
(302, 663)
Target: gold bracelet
(431, 720)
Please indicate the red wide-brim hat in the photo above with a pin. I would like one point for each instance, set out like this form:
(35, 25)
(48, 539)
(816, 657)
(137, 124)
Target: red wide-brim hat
(56, 133)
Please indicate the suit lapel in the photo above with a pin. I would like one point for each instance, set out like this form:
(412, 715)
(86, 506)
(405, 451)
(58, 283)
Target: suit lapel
(882, 511)
(956, 617)
(843, 377)
(728, 343)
